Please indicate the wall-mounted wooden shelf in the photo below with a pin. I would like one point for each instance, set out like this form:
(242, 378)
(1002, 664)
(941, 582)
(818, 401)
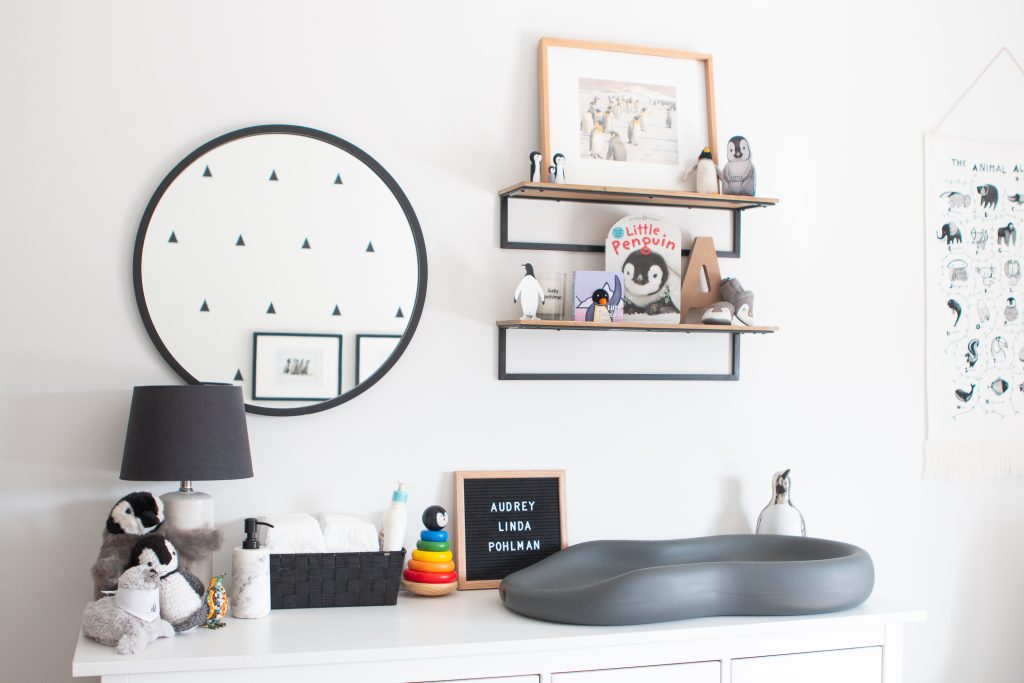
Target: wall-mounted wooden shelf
(624, 195)
(642, 327)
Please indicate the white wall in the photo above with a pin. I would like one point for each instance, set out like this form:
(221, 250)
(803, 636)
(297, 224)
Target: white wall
(101, 98)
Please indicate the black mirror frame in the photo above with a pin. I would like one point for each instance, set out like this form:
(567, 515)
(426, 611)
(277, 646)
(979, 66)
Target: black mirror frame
(403, 201)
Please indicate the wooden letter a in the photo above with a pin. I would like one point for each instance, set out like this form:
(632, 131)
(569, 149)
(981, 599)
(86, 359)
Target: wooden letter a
(702, 258)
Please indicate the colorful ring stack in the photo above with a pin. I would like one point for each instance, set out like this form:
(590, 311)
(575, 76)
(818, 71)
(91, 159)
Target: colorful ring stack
(431, 571)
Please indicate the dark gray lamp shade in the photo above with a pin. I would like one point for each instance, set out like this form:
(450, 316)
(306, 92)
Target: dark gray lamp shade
(186, 433)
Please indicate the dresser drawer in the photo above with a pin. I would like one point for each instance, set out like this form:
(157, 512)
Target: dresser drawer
(858, 665)
(700, 672)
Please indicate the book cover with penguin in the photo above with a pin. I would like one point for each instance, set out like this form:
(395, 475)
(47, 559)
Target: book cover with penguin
(646, 249)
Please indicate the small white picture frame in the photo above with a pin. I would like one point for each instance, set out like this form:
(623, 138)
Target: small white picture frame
(373, 352)
(296, 367)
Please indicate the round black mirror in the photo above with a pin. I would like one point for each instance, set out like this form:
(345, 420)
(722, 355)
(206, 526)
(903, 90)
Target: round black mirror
(284, 260)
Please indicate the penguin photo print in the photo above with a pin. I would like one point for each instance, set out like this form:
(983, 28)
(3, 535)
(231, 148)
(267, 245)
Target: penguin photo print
(626, 116)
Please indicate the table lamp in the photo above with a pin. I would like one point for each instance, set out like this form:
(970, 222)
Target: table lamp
(185, 434)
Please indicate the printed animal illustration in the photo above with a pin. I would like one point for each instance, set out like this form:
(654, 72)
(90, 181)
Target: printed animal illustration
(1006, 234)
(602, 304)
(999, 386)
(984, 313)
(951, 233)
(979, 238)
(646, 280)
(999, 347)
(964, 396)
(989, 196)
(1012, 271)
(1011, 312)
(633, 133)
(954, 306)
(957, 271)
(132, 621)
(1015, 199)
(957, 200)
(972, 353)
(988, 275)
(739, 176)
(616, 148)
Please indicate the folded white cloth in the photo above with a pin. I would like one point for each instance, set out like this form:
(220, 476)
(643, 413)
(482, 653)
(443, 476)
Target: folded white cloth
(298, 533)
(346, 533)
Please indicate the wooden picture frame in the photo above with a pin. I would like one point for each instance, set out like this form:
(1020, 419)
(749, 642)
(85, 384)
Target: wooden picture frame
(672, 90)
(506, 520)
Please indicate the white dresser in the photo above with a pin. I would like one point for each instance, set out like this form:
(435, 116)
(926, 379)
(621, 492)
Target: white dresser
(470, 637)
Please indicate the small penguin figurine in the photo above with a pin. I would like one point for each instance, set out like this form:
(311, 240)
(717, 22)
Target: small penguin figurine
(435, 518)
(529, 292)
(779, 516)
(738, 176)
(181, 592)
(708, 174)
(559, 160)
(552, 174)
(536, 167)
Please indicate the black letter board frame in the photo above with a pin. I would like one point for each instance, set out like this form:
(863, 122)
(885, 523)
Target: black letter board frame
(481, 565)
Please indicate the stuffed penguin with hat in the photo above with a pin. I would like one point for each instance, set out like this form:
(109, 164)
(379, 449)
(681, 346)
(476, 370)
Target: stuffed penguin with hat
(133, 517)
(182, 594)
(707, 173)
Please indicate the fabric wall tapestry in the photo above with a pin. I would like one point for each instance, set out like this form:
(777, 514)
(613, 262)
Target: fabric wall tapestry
(974, 208)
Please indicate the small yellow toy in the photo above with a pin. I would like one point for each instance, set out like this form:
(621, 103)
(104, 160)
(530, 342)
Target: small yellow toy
(216, 603)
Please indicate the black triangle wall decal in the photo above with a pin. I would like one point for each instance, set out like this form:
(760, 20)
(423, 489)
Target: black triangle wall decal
(337, 311)
(206, 173)
(173, 239)
(399, 314)
(270, 309)
(273, 175)
(337, 180)
(305, 243)
(204, 308)
(239, 242)
(369, 247)
(238, 376)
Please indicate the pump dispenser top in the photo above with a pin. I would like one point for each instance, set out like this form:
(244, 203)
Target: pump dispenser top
(251, 542)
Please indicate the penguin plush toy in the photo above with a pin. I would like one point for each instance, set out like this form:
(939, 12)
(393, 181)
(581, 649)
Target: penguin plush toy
(529, 293)
(182, 594)
(133, 517)
(738, 176)
(707, 173)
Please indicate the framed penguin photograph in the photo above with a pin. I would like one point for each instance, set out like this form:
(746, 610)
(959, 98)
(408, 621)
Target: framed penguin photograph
(623, 115)
(296, 367)
(506, 520)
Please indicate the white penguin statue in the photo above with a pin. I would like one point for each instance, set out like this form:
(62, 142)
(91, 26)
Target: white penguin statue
(529, 293)
(707, 173)
(536, 167)
(779, 516)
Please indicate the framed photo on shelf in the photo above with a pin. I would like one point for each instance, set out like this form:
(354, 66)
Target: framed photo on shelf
(625, 116)
(372, 352)
(288, 366)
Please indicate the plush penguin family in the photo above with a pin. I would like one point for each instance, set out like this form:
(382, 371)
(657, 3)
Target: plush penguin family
(135, 516)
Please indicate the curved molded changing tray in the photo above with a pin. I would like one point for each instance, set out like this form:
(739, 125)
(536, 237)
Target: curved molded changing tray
(641, 582)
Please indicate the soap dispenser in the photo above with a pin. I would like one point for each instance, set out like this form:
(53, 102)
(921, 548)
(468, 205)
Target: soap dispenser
(779, 516)
(250, 585)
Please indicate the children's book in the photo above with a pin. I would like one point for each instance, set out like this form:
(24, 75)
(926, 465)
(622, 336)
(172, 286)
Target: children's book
(607, 306)
(645, 249)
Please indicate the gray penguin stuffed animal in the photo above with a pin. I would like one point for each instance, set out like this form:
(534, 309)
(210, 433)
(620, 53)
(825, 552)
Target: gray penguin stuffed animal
(738, 175)
(182, 594)
(130, 620)
(134, 516)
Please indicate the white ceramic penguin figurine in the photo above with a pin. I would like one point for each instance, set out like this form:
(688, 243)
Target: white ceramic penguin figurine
(559, 160)
(738, 176)
(780, 516)
(552, 174)
(707, 173)
(536, 167)
(181, 592)
(529, 293)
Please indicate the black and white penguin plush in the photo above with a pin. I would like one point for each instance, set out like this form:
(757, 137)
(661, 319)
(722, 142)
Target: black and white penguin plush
(739, 176)
(133, 517)
(182, 594)
(707, 173)
(529, 293)
(536, 167)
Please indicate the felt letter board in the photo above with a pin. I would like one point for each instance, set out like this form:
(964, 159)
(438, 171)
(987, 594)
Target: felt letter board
(506, 521)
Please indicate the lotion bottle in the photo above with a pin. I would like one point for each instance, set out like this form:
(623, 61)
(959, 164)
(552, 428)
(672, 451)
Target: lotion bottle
(780, 516)
(250, 575)
(392, 528)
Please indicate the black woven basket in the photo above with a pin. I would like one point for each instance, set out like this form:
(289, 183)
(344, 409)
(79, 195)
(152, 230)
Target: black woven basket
(335, 579)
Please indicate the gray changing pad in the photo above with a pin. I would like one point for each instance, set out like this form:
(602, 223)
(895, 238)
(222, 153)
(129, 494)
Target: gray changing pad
(640, 582)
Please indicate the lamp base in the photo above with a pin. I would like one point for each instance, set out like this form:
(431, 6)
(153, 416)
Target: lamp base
(189, 510)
